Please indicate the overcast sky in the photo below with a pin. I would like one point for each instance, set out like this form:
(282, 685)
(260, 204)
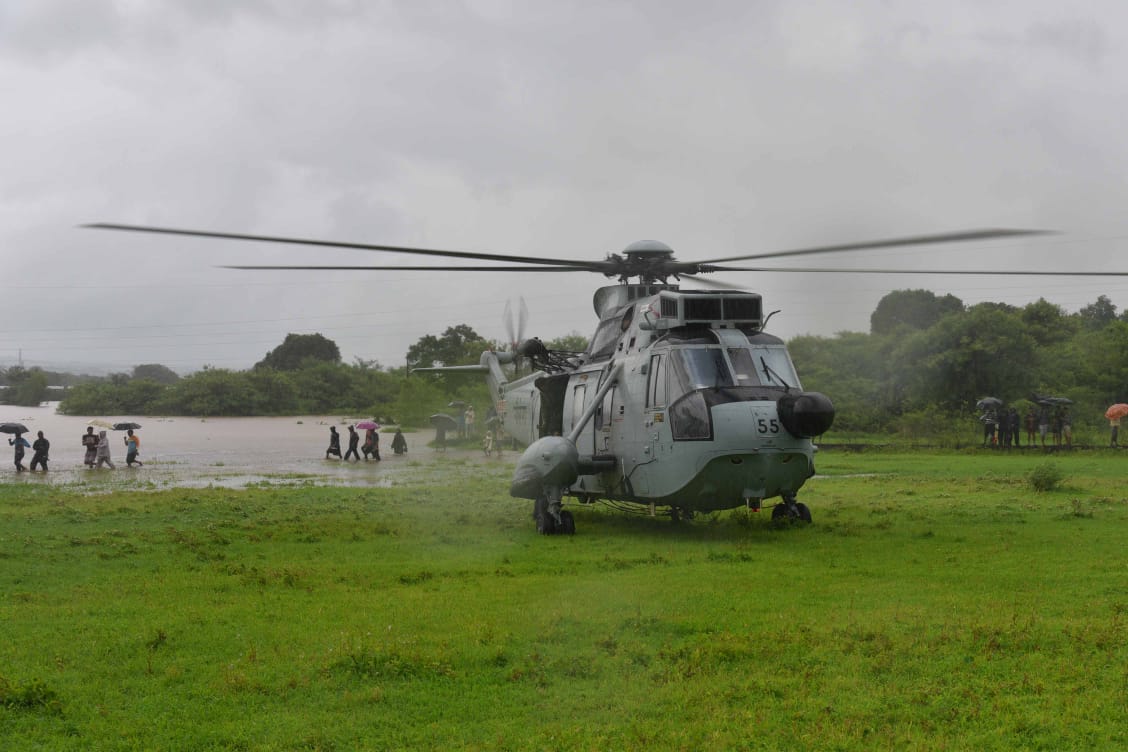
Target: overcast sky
(560, 129)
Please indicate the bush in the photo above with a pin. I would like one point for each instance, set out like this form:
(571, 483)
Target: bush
(1046, 477)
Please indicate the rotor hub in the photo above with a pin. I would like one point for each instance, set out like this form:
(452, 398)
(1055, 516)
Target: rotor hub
(646, 259)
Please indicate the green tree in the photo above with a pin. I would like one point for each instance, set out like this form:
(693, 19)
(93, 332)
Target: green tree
(212, 391)
(156, 372)
(1098, 314)
(457, 345)
(572, 342)
(297, 349)
(915, 309)
(984, 351)
(32, 390)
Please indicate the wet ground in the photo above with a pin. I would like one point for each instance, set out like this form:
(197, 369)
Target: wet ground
(229, 452)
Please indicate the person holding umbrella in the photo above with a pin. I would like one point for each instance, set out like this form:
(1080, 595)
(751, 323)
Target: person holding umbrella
(20, 443)
(1114, 413)
(132, 447)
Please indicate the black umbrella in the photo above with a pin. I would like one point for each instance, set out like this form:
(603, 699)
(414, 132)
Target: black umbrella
(1047, 401)
(444, 422)
(126, 426)
(13, 428)
(988, 402)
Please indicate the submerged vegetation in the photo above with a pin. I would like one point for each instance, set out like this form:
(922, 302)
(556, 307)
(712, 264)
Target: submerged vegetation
(936, 603)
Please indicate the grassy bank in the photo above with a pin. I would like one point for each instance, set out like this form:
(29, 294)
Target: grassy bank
(936, 603)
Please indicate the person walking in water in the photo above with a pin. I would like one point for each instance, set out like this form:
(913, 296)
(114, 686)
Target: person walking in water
(90, 442)
(20, 443)
(40, 447)
(132, 447)
(354, 442)
(104, 451)
(399, 443)
(369, 445)
(334, 443)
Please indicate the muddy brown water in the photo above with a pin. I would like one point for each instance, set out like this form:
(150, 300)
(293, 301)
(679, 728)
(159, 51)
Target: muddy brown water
(228, 452)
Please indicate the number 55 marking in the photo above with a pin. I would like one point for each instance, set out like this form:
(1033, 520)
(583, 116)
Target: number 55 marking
(767, 426)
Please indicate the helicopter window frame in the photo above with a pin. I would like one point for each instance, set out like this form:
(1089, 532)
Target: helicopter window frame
(657, 390)
(579, 397)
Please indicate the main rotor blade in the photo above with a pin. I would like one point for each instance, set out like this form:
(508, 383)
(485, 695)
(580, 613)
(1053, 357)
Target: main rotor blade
(710, 282)
(410, 268)
(596, 266)
(984, 272)
(948, 237)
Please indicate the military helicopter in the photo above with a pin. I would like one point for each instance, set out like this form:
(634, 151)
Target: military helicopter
(682, 401)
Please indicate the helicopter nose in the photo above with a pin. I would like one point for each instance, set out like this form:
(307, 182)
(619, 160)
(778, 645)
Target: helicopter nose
(806, 414)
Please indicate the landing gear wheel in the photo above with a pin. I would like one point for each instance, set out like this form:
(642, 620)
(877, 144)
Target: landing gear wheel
(567, 523)
(791, 511)
(546, 523)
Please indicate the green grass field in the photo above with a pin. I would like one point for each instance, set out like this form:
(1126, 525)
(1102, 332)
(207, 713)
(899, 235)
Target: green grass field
(937, 603)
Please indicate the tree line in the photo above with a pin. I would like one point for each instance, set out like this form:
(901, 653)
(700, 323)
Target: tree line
(927, 359)
(303, 375)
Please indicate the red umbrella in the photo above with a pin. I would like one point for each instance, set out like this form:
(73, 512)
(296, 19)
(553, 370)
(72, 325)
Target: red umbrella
(364, 425)
(1119, 410)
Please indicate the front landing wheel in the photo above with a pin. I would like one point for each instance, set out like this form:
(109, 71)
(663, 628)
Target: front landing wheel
(791, 511)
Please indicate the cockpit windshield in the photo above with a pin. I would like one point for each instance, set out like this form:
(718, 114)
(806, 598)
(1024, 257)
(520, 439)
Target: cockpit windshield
(699, 368)
(709, 368)
(773, 366)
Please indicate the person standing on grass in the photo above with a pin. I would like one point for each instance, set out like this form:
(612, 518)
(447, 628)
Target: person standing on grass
(1004, 430)
(990, 423)
(104, 451)
(354, 442)
(1067, 428)
(1114, 426)
(1015, 426)
(1031, 426)
(40, 447)
(334, 443)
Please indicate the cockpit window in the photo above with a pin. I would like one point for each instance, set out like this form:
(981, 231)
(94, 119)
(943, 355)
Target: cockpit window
(773, 367)
(603, 343)
(700, 368)
(744, 369)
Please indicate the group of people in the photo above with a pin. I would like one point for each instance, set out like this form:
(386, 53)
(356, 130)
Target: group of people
(1003, 428)
(39, 449)
(97, 450)
(370, 448)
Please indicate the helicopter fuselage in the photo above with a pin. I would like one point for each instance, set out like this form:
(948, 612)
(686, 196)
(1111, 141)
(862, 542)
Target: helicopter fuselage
(703, 411)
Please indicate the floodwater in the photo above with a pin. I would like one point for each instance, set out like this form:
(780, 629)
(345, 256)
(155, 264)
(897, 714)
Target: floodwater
(228, 452)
